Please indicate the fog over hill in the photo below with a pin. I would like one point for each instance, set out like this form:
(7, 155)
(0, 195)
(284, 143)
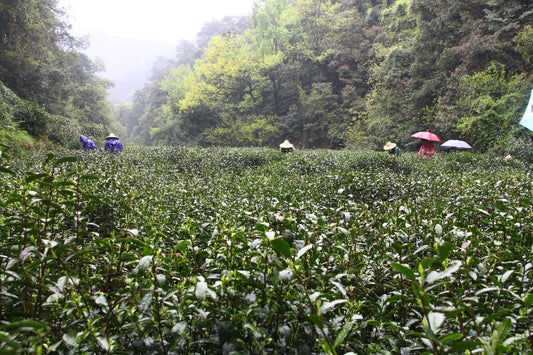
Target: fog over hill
(128, 62)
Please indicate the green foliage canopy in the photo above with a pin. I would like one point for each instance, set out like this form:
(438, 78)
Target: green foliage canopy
(326, 74)
(40, 63)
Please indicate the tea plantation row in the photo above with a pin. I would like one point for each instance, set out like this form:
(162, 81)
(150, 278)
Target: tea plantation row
(250, 251)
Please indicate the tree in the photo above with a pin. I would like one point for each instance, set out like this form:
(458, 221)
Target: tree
(228, 25)
(227, 77)
(323, 123)
(389, 109)
(524, 44)
(39, 61)
(428, 43)
(317, 18)
(326, 72)
(168, 127)
(487, 106)
(253, 130)
(275, 30)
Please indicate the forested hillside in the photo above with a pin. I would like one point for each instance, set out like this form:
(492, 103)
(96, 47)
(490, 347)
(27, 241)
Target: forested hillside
(332, 74)
(322, 73)
(48, 88)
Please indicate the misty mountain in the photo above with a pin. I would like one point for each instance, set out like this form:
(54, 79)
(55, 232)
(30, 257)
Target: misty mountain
(128, 62)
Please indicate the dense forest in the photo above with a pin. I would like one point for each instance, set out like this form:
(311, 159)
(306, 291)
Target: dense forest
(49, 91)
(322, 73)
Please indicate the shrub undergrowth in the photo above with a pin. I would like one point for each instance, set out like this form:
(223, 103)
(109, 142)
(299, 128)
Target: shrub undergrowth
(249, 251)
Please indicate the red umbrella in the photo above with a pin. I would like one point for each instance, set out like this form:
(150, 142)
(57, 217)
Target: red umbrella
(427, 135)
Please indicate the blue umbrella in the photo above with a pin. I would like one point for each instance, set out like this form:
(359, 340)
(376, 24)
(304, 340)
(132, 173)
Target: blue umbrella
(527, 118)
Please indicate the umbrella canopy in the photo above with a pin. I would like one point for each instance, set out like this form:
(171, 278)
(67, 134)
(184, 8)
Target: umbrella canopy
(455, 143)
(527, 118)
(427, 135)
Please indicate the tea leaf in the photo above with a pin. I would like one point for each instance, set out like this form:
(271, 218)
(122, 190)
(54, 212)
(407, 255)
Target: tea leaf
(435, 276)
(6, 170)
(33, 177)
(404, 270)
(70, 339)
(444, 250)
(528, 300)
(505, 276)
(145, 263)
(201, 290)
(463, 346)
(101, 300)
(436, 320)
(103, 342)
(179, 328)
(326, 307)
(304, 250)
(145, 302)
(317, 320)
(451, 338)
(281, 246)
(346, 329)
(25, 325)
(66, 160)
(501, 331)
(89, 177)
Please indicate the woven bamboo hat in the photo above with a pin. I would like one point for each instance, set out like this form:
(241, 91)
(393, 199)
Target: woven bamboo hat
(389, 146)
(286, 144)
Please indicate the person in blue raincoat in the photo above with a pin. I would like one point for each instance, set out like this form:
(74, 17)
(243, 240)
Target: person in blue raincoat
(86, 143)
(113, 144)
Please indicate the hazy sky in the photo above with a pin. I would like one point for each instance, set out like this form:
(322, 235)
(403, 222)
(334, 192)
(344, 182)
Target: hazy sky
(161, 20)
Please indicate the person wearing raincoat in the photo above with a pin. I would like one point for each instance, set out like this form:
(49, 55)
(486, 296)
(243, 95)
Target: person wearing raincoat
(86, 143)
(113, 144)
(427, 150)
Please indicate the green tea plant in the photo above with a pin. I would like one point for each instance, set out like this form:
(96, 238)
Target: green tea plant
(249, 251)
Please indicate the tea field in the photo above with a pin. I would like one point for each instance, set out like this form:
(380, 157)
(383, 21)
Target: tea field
(250, 251)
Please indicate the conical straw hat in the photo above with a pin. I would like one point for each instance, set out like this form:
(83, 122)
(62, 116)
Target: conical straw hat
(286, 144)
(389, 146)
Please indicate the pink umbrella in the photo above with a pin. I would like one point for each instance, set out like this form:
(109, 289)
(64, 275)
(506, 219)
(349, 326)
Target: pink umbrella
(427, 135)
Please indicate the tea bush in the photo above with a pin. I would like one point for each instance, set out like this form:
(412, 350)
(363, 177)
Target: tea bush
(249, 251)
